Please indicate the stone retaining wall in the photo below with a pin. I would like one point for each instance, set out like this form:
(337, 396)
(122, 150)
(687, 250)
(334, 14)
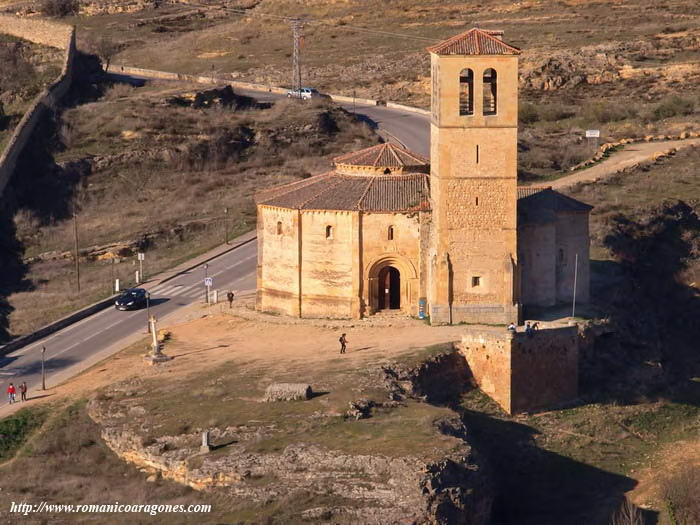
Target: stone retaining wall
(524, 373)
(37, 30)
(46, 33)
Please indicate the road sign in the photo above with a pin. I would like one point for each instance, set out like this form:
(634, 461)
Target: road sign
(208, 281)
(142, 256)
(592, 133)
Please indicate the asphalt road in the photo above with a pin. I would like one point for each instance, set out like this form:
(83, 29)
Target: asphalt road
(100, 335)
(69, 347)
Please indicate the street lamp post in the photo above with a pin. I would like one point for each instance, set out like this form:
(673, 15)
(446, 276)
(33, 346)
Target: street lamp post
(43, 370)
(148, 312)
(206, 290)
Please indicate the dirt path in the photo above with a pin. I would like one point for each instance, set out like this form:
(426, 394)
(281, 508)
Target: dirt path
(632, 154)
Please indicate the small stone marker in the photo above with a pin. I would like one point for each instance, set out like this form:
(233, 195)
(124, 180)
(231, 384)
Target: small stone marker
(288, 392)
(206, 445)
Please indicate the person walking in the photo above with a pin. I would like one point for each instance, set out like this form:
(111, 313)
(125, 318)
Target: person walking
(23, 391)
(11, 392)
(528, 329)
(343, 343)
(230, 297)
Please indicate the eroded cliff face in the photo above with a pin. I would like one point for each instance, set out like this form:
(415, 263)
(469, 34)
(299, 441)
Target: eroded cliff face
(453, 487)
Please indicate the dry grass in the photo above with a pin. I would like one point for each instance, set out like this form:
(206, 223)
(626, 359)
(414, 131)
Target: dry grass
(25, 69)
(231, 396)
(681, 495)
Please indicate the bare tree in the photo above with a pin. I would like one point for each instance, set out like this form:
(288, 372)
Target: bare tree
(105, 48)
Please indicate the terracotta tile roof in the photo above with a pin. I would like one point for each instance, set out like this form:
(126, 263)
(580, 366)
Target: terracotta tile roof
(333, 191)
(538, 204)
(475, 42)
(386, 155)
(400, 193)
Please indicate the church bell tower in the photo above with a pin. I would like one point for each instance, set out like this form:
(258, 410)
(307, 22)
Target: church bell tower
(473, 179)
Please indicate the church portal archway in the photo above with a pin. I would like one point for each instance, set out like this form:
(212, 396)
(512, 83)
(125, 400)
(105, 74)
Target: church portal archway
(389, 292)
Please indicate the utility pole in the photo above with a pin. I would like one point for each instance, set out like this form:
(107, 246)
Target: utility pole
(297, 28)
(75, 245)
(225, 225)
(573, 307)
(43, 370)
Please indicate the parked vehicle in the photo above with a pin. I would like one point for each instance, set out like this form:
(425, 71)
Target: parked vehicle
(131, 299)
(304, 93)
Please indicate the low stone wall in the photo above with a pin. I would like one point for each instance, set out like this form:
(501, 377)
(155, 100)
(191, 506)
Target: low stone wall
(608, 147)
(524, 373)
(46, 33)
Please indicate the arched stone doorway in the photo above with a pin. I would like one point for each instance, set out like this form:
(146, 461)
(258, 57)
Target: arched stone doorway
(397, 274)
(389, 292)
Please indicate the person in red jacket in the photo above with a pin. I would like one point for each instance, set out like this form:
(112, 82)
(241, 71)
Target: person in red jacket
(11, 392)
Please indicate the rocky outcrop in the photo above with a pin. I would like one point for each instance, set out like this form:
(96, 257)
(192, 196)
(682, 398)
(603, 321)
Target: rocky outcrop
(451, 488)
(565, 69)
(439, 380)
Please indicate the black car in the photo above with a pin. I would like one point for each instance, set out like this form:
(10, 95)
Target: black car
(131, 299)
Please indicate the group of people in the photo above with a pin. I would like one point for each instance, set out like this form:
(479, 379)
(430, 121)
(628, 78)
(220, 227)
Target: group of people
(12, 392)
(530, 329)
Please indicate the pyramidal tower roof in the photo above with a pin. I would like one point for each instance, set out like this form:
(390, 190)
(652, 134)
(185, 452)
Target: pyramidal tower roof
(386, 158)
(475, 42)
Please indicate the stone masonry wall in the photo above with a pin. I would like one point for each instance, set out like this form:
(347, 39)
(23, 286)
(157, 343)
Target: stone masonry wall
(488, 355)
(524, 373)
(47, 33)
(544, 369)
(278, 285)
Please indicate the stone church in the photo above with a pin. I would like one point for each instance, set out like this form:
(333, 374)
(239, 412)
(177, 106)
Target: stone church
(453, 237)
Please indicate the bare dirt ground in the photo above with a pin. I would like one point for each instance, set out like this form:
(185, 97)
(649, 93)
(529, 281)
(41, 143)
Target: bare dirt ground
(221, 338)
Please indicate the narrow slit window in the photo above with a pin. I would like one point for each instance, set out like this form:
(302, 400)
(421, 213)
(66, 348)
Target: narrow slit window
(466, 92)
(476, 281)
(476, 201)
(477, 154)
(329, 232)
(390, 233)
(279, 228)
(490, 86)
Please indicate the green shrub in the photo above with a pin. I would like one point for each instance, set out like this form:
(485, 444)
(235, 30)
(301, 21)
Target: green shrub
(527, 113)
(59, 8)
(602, 112)
(554, 112)
(672, 106)
(15, 429)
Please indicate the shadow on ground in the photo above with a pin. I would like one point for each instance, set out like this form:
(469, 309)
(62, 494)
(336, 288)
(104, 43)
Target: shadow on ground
(538, 487)
(39, 187)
